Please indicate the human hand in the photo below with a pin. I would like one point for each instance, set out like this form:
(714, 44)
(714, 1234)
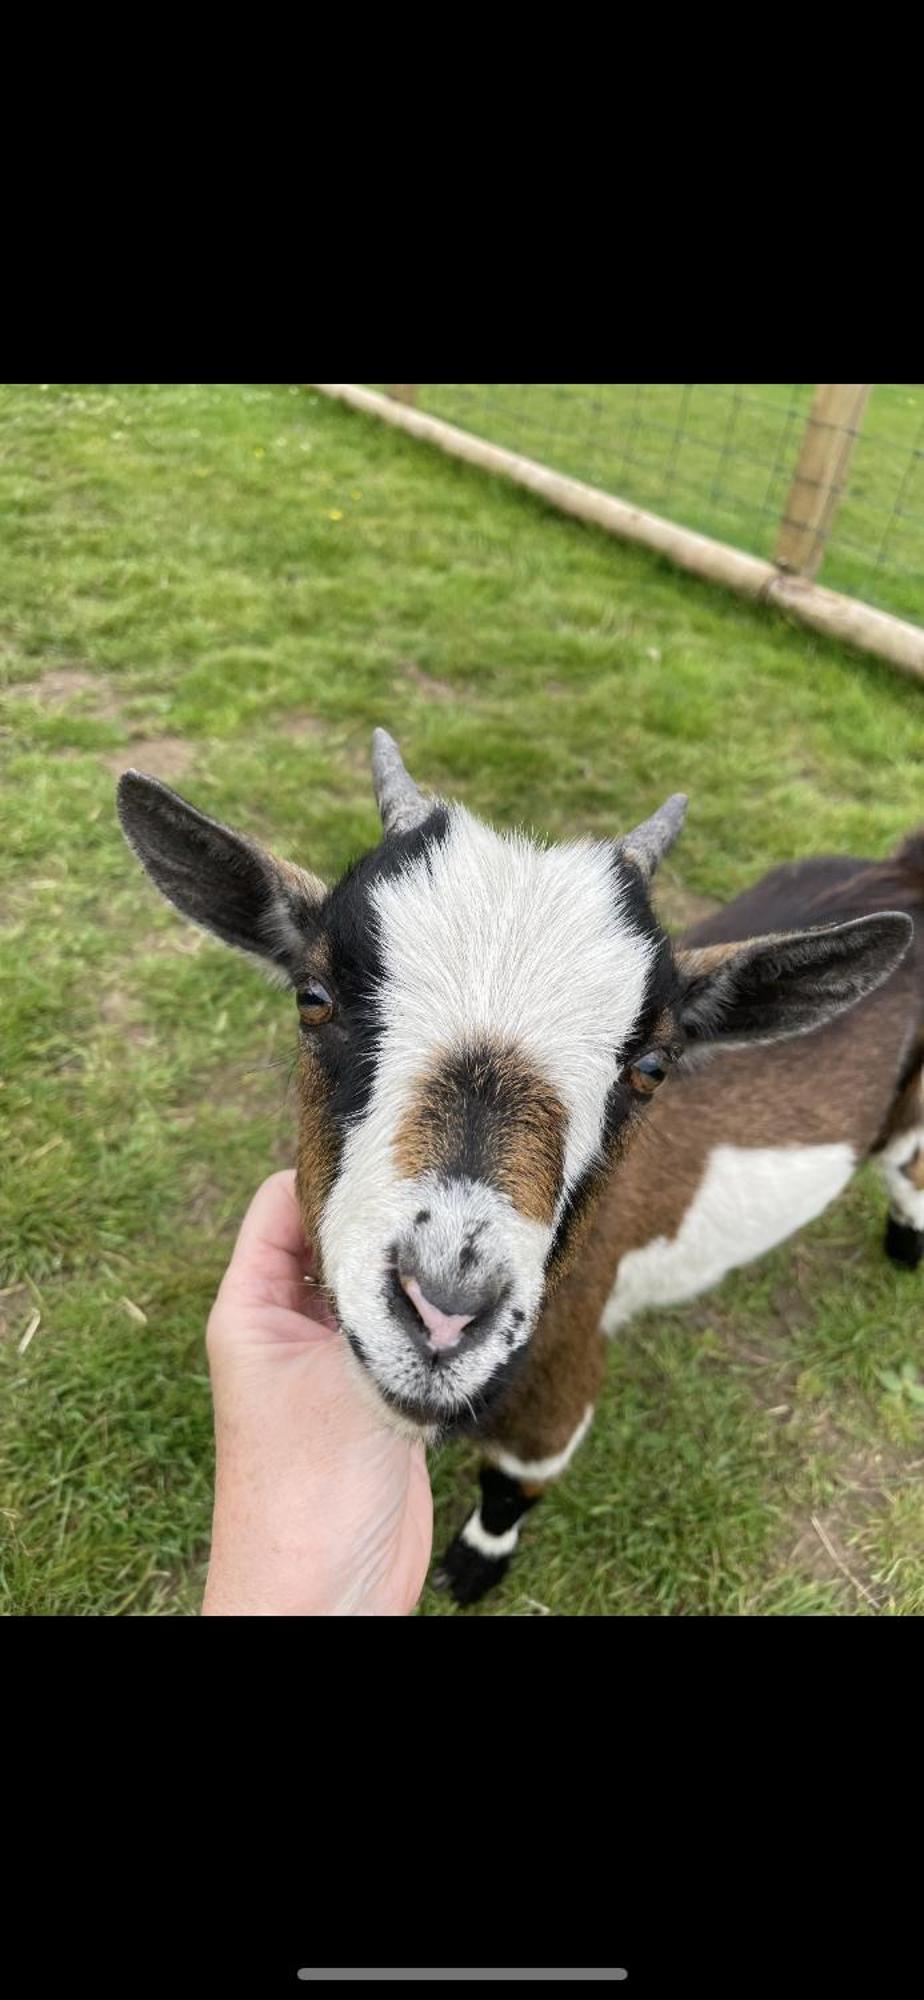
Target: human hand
(320, 1507)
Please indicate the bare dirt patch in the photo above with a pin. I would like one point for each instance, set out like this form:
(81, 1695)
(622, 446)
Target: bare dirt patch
(57, 684)
(826, 1545)
(96, 696)
(13, 1302)
(158, 756)
(58, 687)
(412, 675)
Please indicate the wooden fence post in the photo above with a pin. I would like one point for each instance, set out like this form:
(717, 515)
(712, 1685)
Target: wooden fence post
(402, 392)
(821, 474)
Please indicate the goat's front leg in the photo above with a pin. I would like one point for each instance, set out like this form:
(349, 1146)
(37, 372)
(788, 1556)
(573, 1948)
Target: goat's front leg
(481, 1552)
(529, 1448)
(901, 1164)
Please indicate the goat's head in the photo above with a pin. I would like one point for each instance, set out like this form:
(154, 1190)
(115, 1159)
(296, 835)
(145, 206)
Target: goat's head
(482, 1021)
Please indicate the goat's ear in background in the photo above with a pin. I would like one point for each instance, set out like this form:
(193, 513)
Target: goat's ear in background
(221, 879)
(769, 988)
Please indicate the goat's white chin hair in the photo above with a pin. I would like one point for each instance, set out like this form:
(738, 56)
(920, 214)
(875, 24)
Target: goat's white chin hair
(391, 1362)
(394, 1420)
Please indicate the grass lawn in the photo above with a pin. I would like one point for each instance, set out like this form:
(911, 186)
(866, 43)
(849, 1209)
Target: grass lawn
(719, 457)
(229, 586)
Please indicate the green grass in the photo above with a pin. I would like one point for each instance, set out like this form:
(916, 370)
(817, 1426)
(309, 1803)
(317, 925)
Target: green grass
(719, 457)
(231, 585)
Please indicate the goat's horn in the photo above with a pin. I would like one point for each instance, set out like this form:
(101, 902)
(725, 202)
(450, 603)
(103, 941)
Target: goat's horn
(649, 842)
(400, 803)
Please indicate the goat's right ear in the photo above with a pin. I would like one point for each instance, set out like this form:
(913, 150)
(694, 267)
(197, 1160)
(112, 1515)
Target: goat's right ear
(221, 879)
(767, 989)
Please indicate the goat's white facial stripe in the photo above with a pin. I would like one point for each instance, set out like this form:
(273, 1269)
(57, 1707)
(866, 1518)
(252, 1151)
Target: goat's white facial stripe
(485, 936)
(490, 935)
(748, 1199)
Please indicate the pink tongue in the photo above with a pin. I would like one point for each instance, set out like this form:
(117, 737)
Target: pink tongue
(444, 1328)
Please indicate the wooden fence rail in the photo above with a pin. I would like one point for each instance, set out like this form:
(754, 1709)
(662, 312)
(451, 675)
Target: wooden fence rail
(817, 488)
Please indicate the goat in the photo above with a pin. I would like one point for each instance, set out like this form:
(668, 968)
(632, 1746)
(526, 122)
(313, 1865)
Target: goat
(483, 1023)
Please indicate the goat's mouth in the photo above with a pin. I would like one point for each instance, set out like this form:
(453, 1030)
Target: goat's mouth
(477, 1328)
(466, 1418)
(429, 1394)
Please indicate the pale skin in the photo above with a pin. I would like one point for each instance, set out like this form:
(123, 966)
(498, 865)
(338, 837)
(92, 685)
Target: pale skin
(321, 1508)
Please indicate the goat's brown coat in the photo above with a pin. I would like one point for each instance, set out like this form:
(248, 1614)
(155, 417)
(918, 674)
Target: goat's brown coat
(837, 1084)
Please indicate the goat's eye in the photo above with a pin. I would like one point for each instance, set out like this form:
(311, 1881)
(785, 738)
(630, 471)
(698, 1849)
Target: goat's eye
(315, 1005)
(650, 1070)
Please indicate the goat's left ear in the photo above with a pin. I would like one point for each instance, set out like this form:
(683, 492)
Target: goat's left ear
(769, 988)
(221, 879)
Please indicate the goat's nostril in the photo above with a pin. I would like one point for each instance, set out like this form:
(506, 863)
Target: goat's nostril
(444, 1328)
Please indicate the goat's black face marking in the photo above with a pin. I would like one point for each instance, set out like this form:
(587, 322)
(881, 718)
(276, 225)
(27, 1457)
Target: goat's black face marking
(626, 1100)
(356, 1344)
(349, 939)
(468, 1255)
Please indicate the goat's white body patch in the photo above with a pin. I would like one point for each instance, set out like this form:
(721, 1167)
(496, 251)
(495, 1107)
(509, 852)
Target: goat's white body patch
(476, 1536)
(483, 936)
(749, 1199)
(542, 1468)
(905, 1200)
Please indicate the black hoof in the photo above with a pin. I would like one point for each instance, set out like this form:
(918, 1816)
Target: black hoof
(467, 1574)
(903, 1244)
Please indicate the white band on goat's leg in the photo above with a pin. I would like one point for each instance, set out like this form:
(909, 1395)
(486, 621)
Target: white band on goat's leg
(476, 1536)
(538, 1470)
(900, 1164)
(478, 1557)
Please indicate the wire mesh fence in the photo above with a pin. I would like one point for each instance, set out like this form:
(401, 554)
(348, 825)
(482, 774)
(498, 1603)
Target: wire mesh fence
(828, 488)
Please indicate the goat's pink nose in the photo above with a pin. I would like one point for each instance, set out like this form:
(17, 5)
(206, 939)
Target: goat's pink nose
(444, 1328)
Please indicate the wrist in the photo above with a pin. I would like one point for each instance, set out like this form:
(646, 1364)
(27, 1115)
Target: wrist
(283, 1559)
